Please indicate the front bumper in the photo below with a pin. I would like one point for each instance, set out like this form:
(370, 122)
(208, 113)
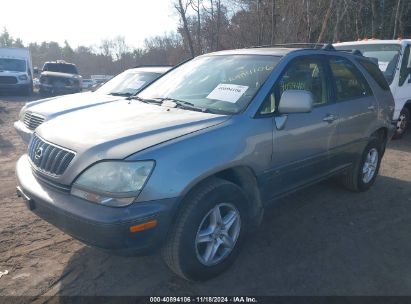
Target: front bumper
(104, 227)
(48, 88)
(13, 87)
(24, 132)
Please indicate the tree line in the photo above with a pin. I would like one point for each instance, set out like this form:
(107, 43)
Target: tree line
(212, 25)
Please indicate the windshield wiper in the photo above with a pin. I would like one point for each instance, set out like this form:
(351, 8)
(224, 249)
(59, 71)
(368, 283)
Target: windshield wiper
(152, 101)
(121, 94)
(190, 106)
(185, 105)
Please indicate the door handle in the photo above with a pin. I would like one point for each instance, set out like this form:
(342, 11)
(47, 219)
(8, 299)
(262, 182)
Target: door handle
(330, 118)
(371, 108)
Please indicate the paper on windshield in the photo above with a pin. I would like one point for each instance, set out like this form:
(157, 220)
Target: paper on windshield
(383, 65)
(228, 92)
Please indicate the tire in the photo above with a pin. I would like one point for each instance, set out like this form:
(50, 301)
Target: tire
(402, 123)
(184, 253)
(355, 179)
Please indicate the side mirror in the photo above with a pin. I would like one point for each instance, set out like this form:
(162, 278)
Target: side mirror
(36, 71)
(296, 101)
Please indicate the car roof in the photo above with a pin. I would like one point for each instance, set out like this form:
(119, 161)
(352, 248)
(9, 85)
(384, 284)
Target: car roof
(274, 51)
(153, 69)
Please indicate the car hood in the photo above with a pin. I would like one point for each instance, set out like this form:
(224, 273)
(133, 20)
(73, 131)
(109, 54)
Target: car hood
(59, 74)
(118, 129)
(54, 106)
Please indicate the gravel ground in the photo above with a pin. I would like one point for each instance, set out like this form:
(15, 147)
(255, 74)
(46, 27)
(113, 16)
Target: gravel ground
(322, 240)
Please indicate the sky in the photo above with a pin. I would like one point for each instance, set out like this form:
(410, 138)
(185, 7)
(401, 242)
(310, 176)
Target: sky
(87, 22)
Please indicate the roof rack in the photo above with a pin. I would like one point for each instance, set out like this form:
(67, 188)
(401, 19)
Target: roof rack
(320, 46)
(323, 46)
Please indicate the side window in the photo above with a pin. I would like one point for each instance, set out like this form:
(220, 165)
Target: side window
(349, 82)
(301, 74)
(404, 72)
(375, 73)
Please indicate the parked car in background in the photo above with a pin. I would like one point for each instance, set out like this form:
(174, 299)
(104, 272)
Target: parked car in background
(123, 85)
(394, 60)
(192, 161)
(16, 70)
(86, 84)
(59, 77)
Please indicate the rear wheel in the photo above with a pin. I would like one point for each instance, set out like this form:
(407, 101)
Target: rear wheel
(402, 123)
(363, 173)
(209, 232)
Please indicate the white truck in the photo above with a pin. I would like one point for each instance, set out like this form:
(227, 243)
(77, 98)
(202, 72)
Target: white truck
(16, 70)
(394, 61)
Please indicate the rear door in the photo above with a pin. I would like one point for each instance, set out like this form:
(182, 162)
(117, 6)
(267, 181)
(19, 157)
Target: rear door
(357, 109)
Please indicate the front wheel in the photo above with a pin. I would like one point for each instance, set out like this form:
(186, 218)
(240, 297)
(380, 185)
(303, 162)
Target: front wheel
(209, 231)
(361, 176)
(402, 123)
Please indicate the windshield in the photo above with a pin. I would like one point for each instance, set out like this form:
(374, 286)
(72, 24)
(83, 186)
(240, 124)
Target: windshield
(386, 54)
(61, 68)
(128, 83)
(221, 82)
(16, 65)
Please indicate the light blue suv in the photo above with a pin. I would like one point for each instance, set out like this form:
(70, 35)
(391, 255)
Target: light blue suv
(191, 162)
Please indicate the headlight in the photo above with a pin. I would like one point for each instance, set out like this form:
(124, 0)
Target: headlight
(112, 183)
(23, 77)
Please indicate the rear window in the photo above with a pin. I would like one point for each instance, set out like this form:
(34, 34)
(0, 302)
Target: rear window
(60, 67)
(375, 73)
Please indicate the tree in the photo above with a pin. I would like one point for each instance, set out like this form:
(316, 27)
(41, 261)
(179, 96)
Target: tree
(397, 16)
(5, 39)
(182, 10)
(18, 43)
(325, 22)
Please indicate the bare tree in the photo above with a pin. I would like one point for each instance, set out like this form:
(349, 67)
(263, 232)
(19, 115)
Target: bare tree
(272, 21)
(325, 22)
(182, 10)
(342, 8)
(196, 7)
(106, 47)
(397, 13)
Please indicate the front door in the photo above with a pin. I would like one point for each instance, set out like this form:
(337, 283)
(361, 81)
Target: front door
(301, 140)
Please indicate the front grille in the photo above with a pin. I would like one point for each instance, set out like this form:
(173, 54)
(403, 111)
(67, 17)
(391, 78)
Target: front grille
(32, 120)
(48, 158)
(8, 80)
(58, 81)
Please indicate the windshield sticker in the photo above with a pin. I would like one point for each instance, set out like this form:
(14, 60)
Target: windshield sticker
(247, 73)
(135, 84)
(228, 92)
(383, 65)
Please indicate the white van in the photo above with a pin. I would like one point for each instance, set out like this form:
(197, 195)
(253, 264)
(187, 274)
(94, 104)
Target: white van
(394, 61)
(16, 70)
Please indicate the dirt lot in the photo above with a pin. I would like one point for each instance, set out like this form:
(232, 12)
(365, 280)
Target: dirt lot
(319, 241)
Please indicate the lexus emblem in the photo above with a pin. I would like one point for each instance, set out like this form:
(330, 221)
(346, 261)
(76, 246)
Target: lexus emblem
(39, 153)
